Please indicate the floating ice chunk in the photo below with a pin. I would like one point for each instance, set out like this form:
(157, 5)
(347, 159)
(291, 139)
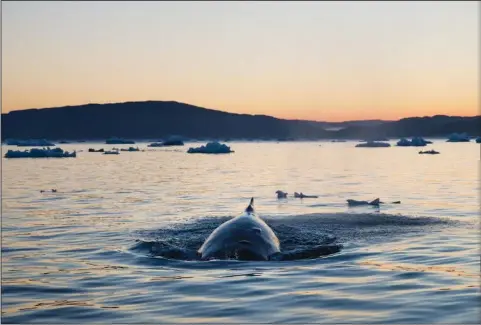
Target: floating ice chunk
(112, 152)
(429, 152)
(211, 148)
(404, 143)
(130, 149)
(351, 202)
(171, 141)
(40, 153)
(302, 196)
(415, 142)
(375, 202)
(458, 137)
(115, 140)
(373, 144)
(418, 142)
(155, 144)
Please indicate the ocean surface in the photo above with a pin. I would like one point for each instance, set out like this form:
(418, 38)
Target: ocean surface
(99, 250)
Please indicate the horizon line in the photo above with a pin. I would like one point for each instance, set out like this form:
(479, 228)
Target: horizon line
(236, 113)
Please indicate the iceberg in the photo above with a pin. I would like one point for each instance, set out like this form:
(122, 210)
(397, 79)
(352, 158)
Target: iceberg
(403, 143)
(166, 144)
(115, 140)
(211, 148)
(373, 144)
(155, 144)
(376, 202)
(458, 137)
(130, 149)
(111, 152)
(40, 153)
(415, 142)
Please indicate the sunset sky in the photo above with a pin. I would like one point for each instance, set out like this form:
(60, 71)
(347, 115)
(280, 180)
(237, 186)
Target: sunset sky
(327, 61)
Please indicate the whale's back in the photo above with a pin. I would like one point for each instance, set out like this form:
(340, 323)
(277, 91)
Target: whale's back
(243, 237)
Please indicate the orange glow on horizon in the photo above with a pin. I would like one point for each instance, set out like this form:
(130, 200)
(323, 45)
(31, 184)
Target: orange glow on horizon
(334, 60)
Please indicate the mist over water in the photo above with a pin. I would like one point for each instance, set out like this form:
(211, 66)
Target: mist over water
(102, 249)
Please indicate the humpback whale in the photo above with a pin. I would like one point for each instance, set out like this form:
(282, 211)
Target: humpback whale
(245, 237)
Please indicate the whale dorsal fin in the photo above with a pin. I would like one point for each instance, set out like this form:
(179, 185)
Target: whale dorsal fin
(250, 208)
(375, 202)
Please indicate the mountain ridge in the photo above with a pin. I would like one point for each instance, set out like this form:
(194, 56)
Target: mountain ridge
(158, 119)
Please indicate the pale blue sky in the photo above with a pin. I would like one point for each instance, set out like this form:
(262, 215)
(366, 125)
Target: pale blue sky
(316, 60)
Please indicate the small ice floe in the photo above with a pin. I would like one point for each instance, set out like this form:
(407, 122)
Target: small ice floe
(96, 150)
(415, 142)
(429, 152)
(29, 143)
(373, 144)
(130, 149)
(375, 202)
(281, 194)
(335, 140)
(302, 196)
(115, 140)
(211, 148)
(114, 151)
(52, 190)
(40, 153)
(458, 137)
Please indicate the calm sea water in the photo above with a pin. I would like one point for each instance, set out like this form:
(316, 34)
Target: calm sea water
(93, 251)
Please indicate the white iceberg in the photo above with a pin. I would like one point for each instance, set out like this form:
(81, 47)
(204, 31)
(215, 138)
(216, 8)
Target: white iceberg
(40, 153)
(458, 137)
(373, 144)
(211, 148)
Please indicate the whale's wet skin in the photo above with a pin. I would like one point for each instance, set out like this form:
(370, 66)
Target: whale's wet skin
(118, 241)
